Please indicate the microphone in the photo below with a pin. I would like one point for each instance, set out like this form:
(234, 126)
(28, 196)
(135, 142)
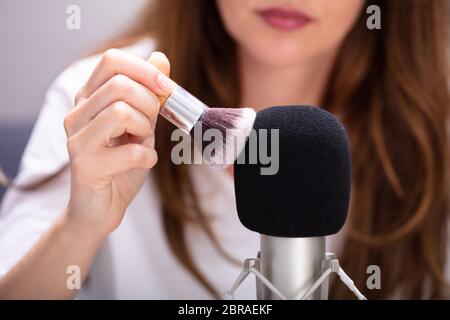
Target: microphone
(305, 201)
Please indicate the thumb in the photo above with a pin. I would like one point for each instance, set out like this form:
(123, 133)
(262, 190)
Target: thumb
(160, 60)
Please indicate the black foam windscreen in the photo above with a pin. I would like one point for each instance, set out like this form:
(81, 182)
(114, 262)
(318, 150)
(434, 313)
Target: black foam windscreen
(309, 194)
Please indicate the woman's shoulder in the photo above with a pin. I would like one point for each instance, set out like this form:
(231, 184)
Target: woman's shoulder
(74, 76)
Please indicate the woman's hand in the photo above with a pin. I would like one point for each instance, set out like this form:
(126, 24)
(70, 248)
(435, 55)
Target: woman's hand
(111, 138)
(111, 149)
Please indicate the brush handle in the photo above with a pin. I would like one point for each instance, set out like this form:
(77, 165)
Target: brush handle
(182, 109)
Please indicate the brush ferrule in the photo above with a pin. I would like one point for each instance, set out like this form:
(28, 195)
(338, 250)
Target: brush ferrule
(182, 109)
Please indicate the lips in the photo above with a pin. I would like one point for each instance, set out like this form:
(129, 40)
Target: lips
(284, 19)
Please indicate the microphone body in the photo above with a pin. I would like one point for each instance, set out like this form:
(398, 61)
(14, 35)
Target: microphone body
(305, 201)
(292, 265)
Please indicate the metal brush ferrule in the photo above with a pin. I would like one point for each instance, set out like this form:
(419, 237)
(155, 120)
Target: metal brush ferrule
(182, 109)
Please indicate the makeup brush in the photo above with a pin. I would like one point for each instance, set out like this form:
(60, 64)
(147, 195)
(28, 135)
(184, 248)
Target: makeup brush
(226, 128)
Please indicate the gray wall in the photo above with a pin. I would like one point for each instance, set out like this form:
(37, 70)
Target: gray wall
(35, 46)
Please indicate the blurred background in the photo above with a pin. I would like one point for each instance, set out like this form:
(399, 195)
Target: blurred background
(36, 46)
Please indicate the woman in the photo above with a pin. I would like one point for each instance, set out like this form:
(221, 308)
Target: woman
(145, 228)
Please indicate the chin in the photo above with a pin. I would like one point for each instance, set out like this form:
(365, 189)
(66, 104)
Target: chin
(276, 54)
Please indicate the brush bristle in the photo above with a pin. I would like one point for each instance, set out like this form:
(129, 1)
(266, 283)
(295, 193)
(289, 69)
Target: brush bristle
(234, 125)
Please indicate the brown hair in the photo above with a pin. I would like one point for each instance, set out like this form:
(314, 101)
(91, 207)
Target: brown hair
(395, 105)
(390, 89)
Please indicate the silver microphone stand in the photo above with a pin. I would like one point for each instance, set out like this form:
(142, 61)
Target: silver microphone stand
(329, 265)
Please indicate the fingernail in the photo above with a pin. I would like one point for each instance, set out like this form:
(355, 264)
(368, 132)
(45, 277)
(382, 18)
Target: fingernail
(162, 83)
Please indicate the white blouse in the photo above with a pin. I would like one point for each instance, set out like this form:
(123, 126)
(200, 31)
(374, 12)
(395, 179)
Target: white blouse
(135, 261)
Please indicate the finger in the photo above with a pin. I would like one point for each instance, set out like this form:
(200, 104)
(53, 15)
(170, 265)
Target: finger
(127, 157)
(118, 88)
(113, 122)
(116, 62)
